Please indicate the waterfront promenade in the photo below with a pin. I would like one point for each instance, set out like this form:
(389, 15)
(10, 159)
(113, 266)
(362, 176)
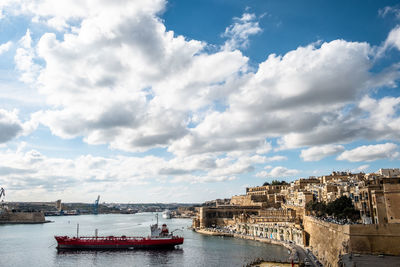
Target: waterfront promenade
(297, 253)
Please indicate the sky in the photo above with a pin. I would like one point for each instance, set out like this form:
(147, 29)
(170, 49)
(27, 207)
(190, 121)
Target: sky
(188, 101)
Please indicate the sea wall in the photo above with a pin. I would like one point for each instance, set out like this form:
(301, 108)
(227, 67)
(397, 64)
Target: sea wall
(375, 239)
(22, 217)
(329, 241)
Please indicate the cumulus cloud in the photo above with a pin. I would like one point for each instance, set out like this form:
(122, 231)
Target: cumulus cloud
(109, 81)
(113, 83)
(5, 47)
(300, 97)
(393, 40)
(278, 172)
(10, 125)
(317, 153)
(25, 170)
(275, 158)
(24, 59)
(370, 153)
(239, 32)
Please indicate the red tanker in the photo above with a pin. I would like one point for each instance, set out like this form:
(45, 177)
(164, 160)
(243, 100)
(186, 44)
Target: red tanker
(160, 238)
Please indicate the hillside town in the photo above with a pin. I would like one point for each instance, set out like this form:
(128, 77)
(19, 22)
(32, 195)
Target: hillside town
(334, 217)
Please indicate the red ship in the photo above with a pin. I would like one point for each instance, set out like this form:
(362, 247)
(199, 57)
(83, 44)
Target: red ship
(160, 238)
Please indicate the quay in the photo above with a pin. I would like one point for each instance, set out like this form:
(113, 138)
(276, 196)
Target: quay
(297, 253)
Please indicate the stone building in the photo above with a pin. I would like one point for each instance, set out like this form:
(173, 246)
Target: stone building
(385, 201)
(378, 200)
(221, 216)
(389, 172)
(282, 227)
(251, 200)
(265, 190)
(302, 183)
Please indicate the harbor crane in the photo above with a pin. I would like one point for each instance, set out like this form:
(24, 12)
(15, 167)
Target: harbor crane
(96, 205)
(2, 193)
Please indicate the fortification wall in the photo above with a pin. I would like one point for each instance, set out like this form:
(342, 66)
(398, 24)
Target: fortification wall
(329, 241)
(221, 216)
(22, 217)
(375, 239)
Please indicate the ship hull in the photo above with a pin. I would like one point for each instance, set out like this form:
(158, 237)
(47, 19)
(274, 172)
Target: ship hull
(116, 243)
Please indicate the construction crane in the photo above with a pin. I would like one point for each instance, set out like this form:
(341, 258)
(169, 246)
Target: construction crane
(2, 193)
(96, 206)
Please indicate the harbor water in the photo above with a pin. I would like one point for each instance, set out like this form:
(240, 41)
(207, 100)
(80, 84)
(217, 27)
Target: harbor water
(34, 244)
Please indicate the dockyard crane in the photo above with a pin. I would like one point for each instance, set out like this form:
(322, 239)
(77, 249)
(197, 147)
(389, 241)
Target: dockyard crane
(96, 206)
(2, 193)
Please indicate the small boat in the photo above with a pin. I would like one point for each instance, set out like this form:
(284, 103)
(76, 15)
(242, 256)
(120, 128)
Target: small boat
(160, 239)
(166, 214)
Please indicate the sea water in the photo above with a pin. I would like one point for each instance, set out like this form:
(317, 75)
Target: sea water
(34, 244)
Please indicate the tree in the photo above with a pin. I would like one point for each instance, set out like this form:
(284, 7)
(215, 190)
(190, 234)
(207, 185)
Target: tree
(316, 208)
(341, 208)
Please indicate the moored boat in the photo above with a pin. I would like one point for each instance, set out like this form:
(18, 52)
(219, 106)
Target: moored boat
(166, 214)
(160, 238)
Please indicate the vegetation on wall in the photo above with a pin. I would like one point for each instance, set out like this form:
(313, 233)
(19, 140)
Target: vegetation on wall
(341, 208)
(275, 182)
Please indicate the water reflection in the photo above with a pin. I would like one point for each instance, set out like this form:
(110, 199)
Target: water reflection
(153, 257)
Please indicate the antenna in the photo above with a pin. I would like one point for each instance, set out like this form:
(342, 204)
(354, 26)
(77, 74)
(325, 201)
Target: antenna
(77, 230)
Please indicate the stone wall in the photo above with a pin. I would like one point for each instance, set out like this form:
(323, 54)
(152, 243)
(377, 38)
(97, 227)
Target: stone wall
(250, 200)
(375, 239)
(329, 241)
(22, 217)
(392, 198)
(221, 216)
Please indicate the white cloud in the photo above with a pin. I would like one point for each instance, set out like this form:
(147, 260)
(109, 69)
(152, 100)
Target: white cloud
(317, 153)
(25, 170)
(372, 119)
(239, 32)
(110, 82)
(113, 83)
(383, 12)
(370, 153)
(361, 168)
(264, 148)
(300, 97)
(5, 47)
(275, 158)
(393, 39)
(278, 172)
(24, 59)
(10, 125)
